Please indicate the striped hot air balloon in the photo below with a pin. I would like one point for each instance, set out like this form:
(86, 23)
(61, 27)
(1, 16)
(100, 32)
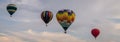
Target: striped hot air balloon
(11, 8)
(46, 16)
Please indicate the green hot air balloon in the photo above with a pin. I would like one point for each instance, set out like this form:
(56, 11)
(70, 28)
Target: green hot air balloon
(11, 8)
(65, 18)
(46, 16)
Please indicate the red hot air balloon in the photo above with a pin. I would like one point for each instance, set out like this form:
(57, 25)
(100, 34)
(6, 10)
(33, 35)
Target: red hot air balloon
(95, 32)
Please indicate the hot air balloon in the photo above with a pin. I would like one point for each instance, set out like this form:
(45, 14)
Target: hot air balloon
(46, 16)
(65, 18)
(11, 8)
(95, 32)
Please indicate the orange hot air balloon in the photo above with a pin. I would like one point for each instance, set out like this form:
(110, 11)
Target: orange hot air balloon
(95, 32)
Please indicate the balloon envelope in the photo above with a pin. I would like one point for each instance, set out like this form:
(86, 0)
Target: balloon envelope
(95, 32)
(65, 18)
(46, 16)
(11, 8)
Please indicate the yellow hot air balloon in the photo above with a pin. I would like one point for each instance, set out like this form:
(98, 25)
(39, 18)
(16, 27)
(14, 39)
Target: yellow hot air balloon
(65, 18)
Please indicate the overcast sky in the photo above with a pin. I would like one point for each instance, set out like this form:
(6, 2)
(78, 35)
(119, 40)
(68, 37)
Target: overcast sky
(26, 24)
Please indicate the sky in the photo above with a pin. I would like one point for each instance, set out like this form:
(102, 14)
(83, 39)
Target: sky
(26, 24)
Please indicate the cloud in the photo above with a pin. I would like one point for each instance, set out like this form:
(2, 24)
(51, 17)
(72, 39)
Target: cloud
(117, 26)
(30, 36)
(89, 14)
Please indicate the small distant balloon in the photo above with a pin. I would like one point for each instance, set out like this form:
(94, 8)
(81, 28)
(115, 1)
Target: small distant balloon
(95, 32)
(11, 8)
(65, 18)
(46, 16)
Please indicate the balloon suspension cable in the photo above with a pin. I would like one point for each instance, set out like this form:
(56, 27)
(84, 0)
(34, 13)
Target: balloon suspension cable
(65, 32)
(10, 15)
(46, 25)
(95, 38)
(46, 28)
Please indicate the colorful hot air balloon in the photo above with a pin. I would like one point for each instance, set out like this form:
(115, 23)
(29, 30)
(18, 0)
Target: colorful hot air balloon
(47, 16)
(65, 18)
(11, 8)
(95, 32)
